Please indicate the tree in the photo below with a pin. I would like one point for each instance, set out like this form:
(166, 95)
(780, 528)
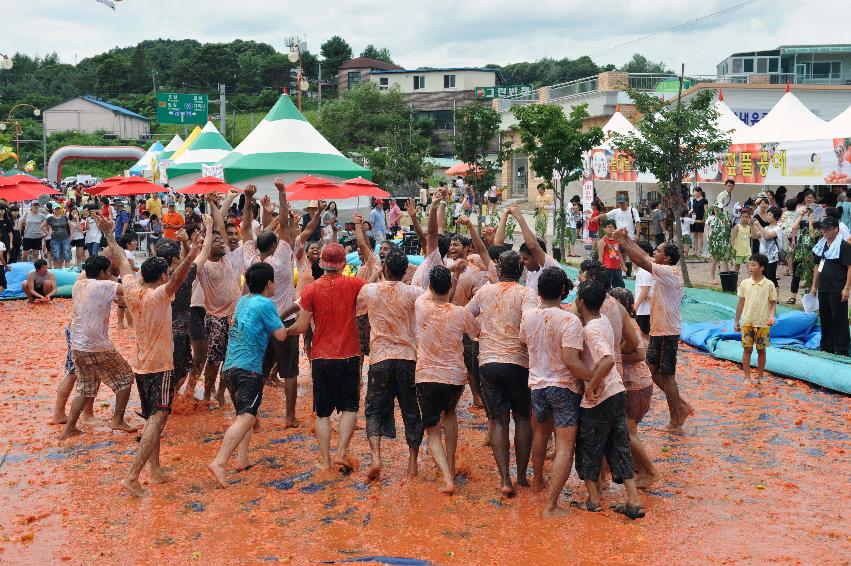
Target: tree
(640, 64)
(382, 54)
(476, 127)
(672, 140)
(400, 162)
(555, 144)
(335, 51)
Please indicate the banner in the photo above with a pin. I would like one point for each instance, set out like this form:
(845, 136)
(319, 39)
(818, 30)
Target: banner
(163, 168)
(217, 171)
(613, 165)
(814, 162)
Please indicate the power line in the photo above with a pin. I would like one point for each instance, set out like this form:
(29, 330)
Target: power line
(673, 29)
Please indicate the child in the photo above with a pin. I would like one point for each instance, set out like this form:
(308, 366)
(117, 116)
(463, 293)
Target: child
(755, 314)
(440, 373)
(602, 413)
(556, 372)
(740, 239)
(644, 287)
(685, 226)
(638, 382)
(610, 254)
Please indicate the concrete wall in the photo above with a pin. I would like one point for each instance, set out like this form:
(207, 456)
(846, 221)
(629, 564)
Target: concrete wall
(464, 80)
(79, 115)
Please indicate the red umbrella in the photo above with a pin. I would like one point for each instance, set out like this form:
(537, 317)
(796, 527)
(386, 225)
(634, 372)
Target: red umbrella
(25, 191)
(131, 186)
(299, 183)
(464, 169)
(206, 185)
(360, 187)
(325, 190)
(103, 185)
(15, 179)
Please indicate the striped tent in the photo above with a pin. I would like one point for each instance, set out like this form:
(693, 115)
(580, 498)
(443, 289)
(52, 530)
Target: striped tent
(207, 149)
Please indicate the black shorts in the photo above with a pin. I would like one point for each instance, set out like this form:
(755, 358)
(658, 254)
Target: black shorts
(643, 321)
(156, 391)
(196, 323)
(603, 431)
(32, 244)
(336, 386)
(391, 380)
(505, 387)
(284, 353)
(436, 399)
(662, 353)
(471, 357)
(245, 388)
(363, 333)
(697, 228)
(182, 356)
(81, 243)
(615, 277)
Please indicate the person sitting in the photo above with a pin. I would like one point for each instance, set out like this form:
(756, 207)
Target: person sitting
(40, 284)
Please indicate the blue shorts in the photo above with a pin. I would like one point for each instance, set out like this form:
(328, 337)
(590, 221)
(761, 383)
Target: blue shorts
(60, 249)
(559, 402)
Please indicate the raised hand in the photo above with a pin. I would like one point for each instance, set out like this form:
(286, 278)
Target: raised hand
(464, 221)
(195, 248)
(207, 220)
(411, 207)
(182, 236)
(279, 184)
(267, 204)
(250, 191)
(105, 225)
(357, 218)
(621, 235)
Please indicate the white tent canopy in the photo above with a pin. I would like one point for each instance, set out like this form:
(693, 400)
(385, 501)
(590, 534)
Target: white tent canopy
(840, 127)
(789, 120)
(727, 119)
(143, 166)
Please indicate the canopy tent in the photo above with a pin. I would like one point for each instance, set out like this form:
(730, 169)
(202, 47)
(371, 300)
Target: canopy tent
(284, 144)
(187, 143)
(789, 120)
(144, 167)
(840, 127)
(208, 148)
(175, 144)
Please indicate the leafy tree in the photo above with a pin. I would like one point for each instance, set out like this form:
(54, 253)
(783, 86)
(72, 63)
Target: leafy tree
(401, 162)
(555, 144)
(476, 127)
(358, 120)
(335, 51)
(641, 64)
(113, 72)
(672, 140)
(372, 52)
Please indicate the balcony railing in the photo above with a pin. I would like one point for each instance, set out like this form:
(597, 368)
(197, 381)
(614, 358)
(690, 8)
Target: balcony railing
(572, 88)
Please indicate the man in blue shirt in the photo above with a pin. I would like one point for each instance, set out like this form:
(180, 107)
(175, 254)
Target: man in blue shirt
(255, 320)
(378, 221)
(122, 221)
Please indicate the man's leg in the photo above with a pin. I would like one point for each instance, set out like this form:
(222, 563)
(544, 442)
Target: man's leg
(499, 447)
(435, 447)
(150, 442)
(541, 432)
(565, 443)
(450, 434)
(379, 412)
(760, 368)
(235, 434)
(71, 429)
(345, 431)
(746, 365)
(522, 447)
(647, 474)
(210, 372)
(406, 395)
(62, 394)
(199, 356)
(117, 422)
(323, 436)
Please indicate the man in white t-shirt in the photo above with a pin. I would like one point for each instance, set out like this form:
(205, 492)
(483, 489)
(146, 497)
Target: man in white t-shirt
(725, 200)
(644, 285)
(626, 217)
(532, 252)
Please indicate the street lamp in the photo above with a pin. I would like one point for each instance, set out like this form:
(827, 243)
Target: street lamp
(296, 46)
(36, 113)
(5, 62)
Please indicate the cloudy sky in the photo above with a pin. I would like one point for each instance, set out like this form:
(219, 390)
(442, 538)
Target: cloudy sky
(437, 32)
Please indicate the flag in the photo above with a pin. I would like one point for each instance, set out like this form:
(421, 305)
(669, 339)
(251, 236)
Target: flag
(109, 3)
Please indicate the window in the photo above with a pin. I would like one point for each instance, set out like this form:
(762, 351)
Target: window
(353, 78)
(826, 69)
(748, 65)
(419, 82)
(383, 83)
(448, 81)
(773, 65)
(762, 65)
(737, 66)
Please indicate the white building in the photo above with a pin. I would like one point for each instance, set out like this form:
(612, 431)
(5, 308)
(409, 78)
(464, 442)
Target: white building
(420, 81)
(87, 114)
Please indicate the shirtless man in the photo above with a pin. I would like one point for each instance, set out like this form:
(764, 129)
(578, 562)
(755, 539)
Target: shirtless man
(40, 285)
(150, 304)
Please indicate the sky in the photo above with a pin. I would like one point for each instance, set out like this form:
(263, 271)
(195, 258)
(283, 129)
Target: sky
(437, 32)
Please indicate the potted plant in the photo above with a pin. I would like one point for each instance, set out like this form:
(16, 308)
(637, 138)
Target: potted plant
(721, 249)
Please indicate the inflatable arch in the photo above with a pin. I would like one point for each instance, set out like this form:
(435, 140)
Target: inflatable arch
(54, 164)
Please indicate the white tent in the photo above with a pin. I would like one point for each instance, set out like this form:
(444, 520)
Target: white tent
(789, 120)
(143, 166)
(727, 119)
(840, 127)
(617, 124)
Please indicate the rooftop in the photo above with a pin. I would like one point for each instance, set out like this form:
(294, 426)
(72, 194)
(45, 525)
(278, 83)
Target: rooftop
(117, 109)
(448, 70)
(367, 63)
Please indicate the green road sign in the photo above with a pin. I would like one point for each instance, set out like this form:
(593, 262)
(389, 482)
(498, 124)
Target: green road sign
(173, 108)
(485, 92)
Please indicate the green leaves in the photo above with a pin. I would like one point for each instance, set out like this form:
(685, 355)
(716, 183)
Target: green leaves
(476, 127)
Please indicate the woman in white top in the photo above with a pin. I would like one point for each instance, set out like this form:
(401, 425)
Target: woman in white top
(93, 235)
(770, 241)
(78, 237)
(643, 292)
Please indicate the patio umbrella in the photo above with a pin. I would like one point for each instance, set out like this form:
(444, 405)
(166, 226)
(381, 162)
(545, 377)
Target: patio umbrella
(464, 169)
(360, 187)
(17, 178)
(103, 185)
(299, 183)
(25, 191)
(131, 186)
(206, 185)
(324, 190)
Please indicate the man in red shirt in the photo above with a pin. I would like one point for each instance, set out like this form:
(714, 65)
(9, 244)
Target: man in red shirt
(330, 302)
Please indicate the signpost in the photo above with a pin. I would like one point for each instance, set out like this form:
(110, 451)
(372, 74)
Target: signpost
(173, 108)
(486, 92)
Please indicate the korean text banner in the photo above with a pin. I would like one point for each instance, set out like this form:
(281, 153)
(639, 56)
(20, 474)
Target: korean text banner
(814, 162)
(613, 165)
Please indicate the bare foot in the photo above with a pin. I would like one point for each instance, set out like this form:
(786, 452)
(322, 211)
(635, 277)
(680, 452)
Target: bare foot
(507, 491)
(373, 472)
(243, 466)
(159, 476)
(218, 474)
(412, 468)
(122, 426)
(487, 442)
(671, 428)
(291, 422)
(643, 482)
(747, 381)
(686, 410)
(523, 482)
(59, 419)
(133, 487)
(714, 282)
(555, 512)
(88, 419)
(70, 434)
(538, 484)
(342, 461)
(448, 488)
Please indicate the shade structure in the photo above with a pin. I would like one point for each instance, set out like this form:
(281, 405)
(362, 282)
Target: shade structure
(131, 186)
(170, 148)
(840, 127)
(12, 172)
(17, 178)
(26, 189)
(103, 185)
(324, 190)
(463, 169)
(206, 185)
(208, 148)
(143, 166)
(789, 120)
(285, 144)
(360, 187)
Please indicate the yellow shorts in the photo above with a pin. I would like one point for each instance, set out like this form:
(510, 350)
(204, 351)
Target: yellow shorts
(755, 336)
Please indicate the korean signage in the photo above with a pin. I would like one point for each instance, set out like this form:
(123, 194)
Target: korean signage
(613, 165)
(173, 108)
(485, 92)
(814, 162)
(750, 117)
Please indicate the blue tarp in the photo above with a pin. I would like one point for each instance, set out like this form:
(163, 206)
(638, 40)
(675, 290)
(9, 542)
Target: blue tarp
(65, 279)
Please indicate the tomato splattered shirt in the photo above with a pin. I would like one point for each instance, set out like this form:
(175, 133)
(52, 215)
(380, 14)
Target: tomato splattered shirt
(390, 306)
(440, 351)
(499, 308)
(332, 300)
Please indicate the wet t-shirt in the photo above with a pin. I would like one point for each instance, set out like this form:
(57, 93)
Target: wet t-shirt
(180, 305)
(421, 275)
(665, 303)
(92, 302)
(546, 331)
(532, 276)
(499, 308)
(220, 286)
(440, 329)
(636, 375)
(390, 306)
(255, 319)
(612, 311)
(332, 300)
(282, 262)
(468, 282)
(151, 310)
(370, 265)
(599, 343)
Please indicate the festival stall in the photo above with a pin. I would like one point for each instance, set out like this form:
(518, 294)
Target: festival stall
(145, 166)
(199, 159)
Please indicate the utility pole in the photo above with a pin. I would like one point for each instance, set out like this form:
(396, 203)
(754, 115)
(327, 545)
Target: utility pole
(319, 85)
(154, 78)
(222, 109)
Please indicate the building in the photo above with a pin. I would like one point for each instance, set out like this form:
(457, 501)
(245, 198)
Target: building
(357, 70)
(796, 64)
(87, 114)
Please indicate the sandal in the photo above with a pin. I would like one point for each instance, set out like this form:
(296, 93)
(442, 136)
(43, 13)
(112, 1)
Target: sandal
(791, 301)
(631, 511)
(586, 506)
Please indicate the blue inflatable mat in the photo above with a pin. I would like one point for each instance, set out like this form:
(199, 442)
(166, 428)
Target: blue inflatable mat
(65, 279)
